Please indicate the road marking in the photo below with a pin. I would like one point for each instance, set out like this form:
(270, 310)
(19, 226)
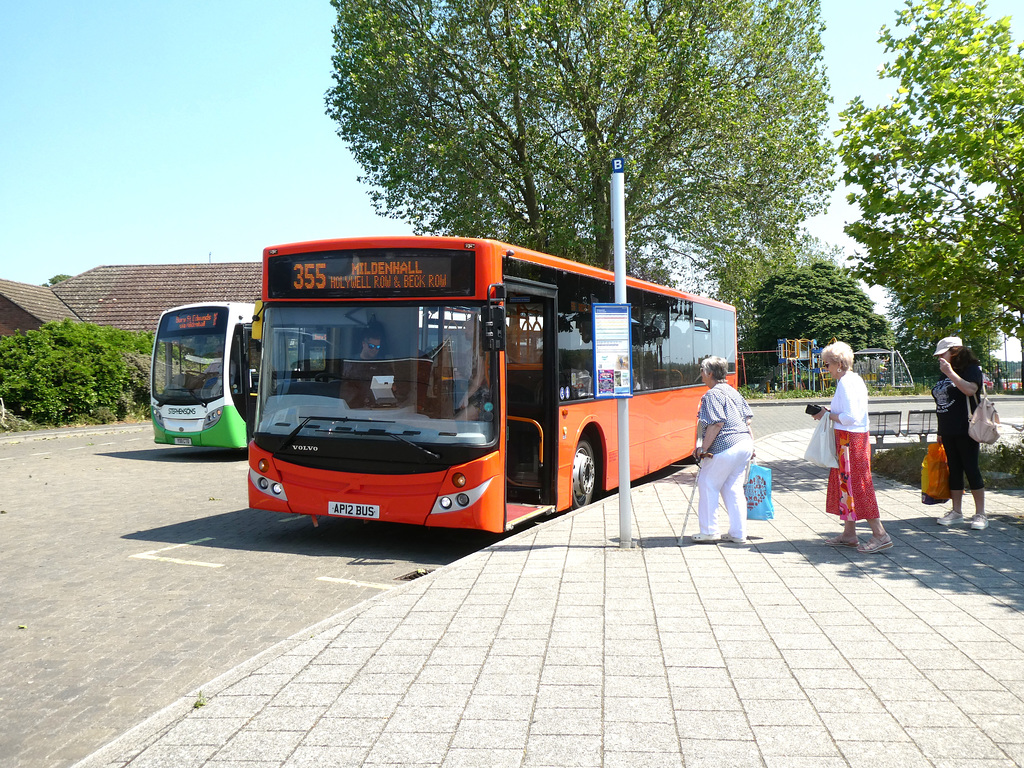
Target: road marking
(152, 555)
(355, 583)
(79, 448)
(44, 453)
(104, 443)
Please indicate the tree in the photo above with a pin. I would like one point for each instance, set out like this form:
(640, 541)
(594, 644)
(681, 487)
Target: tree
(748, 278)
(938, 173)
(57, 279)
(918, 322)
(68, 371)
(818, 301)
(500, 118)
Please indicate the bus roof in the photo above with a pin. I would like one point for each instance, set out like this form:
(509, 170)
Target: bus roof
(421, 241)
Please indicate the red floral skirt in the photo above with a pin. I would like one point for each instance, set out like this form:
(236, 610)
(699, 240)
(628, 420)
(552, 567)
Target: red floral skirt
(851, 493)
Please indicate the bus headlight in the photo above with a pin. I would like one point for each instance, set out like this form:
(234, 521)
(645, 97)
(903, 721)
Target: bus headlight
(158, 418)
(265, 485)
(212, 417)
(464, 499)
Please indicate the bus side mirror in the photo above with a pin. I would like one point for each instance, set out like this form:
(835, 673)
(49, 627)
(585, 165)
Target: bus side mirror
(494, 318)
(494, 328)
(257, 322)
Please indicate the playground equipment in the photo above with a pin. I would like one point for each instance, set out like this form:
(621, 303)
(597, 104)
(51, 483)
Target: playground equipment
(800, 365)
(882, 368)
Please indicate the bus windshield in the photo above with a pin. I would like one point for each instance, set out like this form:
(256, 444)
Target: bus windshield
(412, 373)
(188, 364)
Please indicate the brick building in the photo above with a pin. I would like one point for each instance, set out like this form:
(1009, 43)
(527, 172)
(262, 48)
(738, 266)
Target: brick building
(130, 297)
(25, 307)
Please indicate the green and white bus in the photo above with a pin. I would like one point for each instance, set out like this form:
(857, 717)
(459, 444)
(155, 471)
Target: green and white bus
(193, 401)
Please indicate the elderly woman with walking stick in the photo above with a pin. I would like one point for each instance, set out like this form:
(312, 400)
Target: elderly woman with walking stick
(726, 448)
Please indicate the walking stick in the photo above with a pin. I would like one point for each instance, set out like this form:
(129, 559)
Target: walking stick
(693, 495)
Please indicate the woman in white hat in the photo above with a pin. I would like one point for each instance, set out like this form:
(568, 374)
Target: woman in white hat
(961, 379)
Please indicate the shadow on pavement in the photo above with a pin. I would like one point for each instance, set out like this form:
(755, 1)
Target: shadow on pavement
(252, 530)
(182, 455)
(949, 562)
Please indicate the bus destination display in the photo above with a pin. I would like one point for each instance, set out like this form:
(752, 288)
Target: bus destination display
(194, 320)
(352, 274)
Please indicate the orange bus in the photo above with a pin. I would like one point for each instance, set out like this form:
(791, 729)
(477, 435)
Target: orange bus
(449, 381)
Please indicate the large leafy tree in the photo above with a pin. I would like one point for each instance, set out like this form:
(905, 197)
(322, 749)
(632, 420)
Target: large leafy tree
(500, 118)
(816, 301)
(938, 173)
(918, 321)
(747, 279)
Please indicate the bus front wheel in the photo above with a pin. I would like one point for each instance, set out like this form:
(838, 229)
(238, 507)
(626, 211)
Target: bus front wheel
(584, 474)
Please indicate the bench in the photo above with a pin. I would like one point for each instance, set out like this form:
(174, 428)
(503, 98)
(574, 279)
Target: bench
(920, 424)
(882, 424)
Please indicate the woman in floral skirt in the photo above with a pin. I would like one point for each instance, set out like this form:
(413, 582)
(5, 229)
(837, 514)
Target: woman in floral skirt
(851, 492)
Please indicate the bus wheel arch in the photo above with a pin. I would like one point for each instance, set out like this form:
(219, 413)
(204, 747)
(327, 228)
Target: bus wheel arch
(586, 468)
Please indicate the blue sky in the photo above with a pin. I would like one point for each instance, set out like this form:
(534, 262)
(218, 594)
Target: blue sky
(195, 131)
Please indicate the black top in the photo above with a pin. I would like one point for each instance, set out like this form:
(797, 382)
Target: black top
(951, 403)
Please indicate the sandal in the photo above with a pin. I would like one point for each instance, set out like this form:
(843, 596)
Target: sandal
(875, 545)
(839, 541)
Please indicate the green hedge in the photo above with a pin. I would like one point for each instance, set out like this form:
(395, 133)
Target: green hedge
(68, 372)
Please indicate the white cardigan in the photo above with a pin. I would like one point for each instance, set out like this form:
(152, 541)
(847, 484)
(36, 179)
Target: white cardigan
(850, 403)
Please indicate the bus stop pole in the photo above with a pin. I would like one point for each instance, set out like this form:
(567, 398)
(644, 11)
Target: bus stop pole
(619, 240)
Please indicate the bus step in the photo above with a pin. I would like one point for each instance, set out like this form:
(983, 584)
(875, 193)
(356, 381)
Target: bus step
(518, 513)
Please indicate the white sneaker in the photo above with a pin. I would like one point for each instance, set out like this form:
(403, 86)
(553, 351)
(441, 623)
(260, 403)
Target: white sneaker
(735, 539)
(705, 538)
(979, 522)
(950, 518)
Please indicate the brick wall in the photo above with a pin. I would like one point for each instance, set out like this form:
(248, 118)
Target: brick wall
(14, 318)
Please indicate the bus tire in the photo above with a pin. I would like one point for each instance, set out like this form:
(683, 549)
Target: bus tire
(584, 474)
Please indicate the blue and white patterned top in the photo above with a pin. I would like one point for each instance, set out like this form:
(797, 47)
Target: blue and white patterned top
(724, 405)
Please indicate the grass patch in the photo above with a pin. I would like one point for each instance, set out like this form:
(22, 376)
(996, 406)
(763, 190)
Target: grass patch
(753, 393)
(1002, 465)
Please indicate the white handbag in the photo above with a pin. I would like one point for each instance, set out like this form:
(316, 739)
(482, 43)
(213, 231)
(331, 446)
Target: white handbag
(821, 451)
(983, 422)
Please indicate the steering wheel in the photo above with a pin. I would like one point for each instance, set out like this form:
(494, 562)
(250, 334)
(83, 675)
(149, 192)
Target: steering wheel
(325, 376)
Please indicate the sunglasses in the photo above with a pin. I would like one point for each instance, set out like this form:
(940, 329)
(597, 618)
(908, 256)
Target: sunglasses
(372, 346)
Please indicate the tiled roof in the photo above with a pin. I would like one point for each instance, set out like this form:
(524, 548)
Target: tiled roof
(37, 300)
(133, 296)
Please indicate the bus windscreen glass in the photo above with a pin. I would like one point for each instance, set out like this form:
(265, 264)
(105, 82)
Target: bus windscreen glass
(188, 363)
(371, 372)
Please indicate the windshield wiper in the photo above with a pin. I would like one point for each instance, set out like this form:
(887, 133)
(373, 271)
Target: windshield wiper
(431, 454)
(333, 419)
(291, 435)
(169, 395)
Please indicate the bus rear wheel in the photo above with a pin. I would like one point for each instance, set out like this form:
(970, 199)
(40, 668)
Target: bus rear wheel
(584, 474)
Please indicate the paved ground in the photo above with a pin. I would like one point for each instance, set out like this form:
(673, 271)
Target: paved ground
(557, 647)
(131, 572)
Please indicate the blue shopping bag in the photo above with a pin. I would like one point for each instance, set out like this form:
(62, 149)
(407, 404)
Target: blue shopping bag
(758, 490)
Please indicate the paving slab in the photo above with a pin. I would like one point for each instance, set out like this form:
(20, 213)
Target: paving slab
(559, 647)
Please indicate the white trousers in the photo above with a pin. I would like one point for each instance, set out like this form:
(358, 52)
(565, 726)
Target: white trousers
(722, 476)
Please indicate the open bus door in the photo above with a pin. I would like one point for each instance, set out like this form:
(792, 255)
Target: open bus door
(531, 471)
(240, 382)
(249, 357)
